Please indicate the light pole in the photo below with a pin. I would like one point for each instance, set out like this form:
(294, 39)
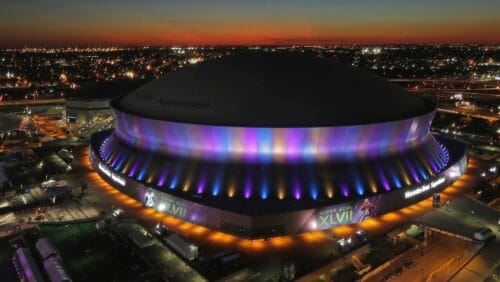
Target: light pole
(471, 216)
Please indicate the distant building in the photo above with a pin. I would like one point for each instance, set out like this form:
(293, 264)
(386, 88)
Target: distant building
(56, 271)
(92, 99)
(52, 261)
(27, 270)
(45, 248)
(81, 110)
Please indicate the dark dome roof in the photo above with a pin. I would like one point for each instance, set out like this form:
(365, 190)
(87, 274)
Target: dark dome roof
(275, 90)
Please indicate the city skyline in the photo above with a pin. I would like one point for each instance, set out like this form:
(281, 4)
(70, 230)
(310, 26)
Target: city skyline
(249, 140)
(56, 23)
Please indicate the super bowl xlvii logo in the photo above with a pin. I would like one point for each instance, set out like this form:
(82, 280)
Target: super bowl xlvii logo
(149, 199)
(333, 216)
(164, 204)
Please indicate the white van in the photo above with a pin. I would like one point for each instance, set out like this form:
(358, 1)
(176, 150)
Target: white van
(484, 234)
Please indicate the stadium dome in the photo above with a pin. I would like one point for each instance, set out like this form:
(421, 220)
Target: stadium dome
(272, 90)
(278, 107)
(269, 144)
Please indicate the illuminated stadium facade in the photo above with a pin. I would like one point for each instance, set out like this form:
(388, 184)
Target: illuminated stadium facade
(261, 145)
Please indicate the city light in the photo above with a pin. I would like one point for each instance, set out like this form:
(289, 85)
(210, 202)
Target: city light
(150, 140)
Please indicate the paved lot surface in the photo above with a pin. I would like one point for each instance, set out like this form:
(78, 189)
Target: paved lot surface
(462, 216)
(440, 250)
(69, 212)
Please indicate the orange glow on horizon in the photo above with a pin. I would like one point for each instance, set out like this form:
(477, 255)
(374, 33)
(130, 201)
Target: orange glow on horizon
(383, 33)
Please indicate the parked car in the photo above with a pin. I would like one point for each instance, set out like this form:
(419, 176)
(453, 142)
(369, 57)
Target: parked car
(484, 234)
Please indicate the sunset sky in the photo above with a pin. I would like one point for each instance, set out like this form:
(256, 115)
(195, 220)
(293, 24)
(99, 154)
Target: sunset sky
(221, 22)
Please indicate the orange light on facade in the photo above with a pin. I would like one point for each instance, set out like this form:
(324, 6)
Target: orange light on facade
(282, 244)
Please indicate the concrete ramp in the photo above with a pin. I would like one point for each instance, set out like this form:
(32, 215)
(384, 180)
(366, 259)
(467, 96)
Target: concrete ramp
(461, 217)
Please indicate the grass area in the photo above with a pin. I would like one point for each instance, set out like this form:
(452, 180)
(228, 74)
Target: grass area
(86, 253)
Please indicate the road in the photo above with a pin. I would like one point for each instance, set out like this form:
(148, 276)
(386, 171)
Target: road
(481, 265)
(360, 252)
(445, 255)
(32, 102)
(483, 114)
(462, 216)
(50, 127)
(440, 250)
(488, 257)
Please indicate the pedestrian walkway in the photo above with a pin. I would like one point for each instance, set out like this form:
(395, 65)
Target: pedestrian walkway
(69, 212)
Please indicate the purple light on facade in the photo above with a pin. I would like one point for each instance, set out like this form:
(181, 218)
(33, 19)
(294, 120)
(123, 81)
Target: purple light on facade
(382, 178)
(431, 160)
(436, 152)
(345, 189)
(387, 155)
(443, 156)
(112, 158)
(276, 144)
(439, 159)
(421, 169)
(122, 160)
(412, 170)
(251, 146)
(115, 159)
(248, 186)
(201, 184)
(163, 177)
(108, 148)
(248, 193)
(436, 166)
(425, 165)
(295, 142)
(134, 169)
(297, 191)
(107, 152)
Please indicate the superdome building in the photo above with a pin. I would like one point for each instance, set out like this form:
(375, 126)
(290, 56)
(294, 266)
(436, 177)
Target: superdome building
(260, 145)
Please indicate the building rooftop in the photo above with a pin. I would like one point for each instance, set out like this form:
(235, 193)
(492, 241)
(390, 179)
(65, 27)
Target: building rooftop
(275, 90)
